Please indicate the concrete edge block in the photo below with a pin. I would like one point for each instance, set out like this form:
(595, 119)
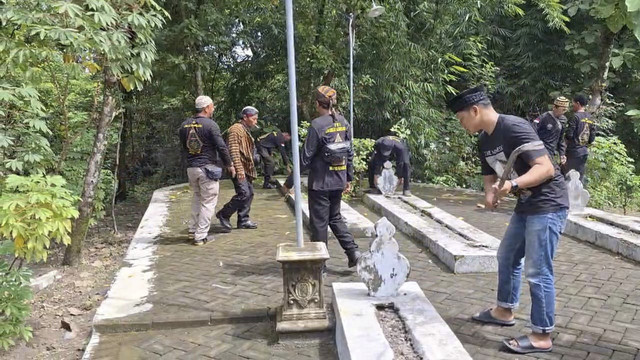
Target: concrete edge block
(362, 337)
(359, 334)
(451, 222)
(604, 235)
(458, 256)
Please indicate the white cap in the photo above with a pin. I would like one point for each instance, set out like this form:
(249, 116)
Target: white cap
(203, 101)
(249, 110)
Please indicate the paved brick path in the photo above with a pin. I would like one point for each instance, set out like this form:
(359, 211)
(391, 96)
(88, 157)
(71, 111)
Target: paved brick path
(237, 275)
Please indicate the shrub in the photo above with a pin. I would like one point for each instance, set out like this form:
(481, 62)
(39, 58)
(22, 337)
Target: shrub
(610, 174)
(34, 210)
(15, 294)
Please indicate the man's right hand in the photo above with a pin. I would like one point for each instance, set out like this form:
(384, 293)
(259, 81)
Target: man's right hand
(241, 177)
(232, 171)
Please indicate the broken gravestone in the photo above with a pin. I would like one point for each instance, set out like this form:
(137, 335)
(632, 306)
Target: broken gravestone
(383, 269)
(387, 181)
(578, 196)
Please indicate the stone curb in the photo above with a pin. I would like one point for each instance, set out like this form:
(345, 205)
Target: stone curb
(170, 322)
(618, 238)
(458, 253)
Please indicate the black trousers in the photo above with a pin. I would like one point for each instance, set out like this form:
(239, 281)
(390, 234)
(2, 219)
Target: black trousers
(324, 211)
(268, 164)
(403, 171)
(578, 163)
(240, 202)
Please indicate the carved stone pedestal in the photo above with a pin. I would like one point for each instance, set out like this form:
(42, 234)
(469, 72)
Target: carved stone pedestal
(303, 309)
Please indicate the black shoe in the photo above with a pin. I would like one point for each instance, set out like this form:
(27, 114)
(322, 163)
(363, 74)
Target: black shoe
(248, 225)
(353, 258)
(226, 224)
(268, 186)
(373, 191)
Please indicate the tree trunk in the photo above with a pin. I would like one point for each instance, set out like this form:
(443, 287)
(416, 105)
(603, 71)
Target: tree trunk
(115, 177)
(124, 186)
(599, 84)
(198, 75)
(73, 253)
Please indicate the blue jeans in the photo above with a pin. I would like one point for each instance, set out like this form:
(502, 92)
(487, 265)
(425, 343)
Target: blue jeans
(534, 238)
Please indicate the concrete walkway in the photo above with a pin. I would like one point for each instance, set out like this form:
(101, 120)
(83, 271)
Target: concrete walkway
(217, 301)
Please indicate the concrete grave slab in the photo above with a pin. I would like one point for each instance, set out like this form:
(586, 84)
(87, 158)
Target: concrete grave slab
(617, 233)
(465, 250)
(360, 336)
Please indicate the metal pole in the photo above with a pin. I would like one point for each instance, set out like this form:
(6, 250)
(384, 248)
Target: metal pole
(351, 40)
(293, 109)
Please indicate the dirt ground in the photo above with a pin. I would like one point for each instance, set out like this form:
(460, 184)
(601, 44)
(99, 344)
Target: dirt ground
(75, 296)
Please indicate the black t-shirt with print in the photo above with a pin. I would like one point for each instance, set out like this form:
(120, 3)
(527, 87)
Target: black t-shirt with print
(509, 133)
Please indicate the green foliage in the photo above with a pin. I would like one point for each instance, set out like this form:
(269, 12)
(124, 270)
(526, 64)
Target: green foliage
(34, 211)
(15, 294)
(362, 149)
(24, 146)
(610, 172)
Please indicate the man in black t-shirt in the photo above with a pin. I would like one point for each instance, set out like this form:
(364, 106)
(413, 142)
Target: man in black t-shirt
(581, 132)
(538, 220)
(265, 145)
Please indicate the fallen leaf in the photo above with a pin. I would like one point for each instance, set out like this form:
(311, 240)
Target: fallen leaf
(481, 206)
(461, 218)
(97, 263)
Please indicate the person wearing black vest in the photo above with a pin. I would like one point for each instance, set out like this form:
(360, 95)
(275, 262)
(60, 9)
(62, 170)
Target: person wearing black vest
(385, 148)
(550, 128)
(265, 146)
(581, 132)
(204, 146)
(327, 154)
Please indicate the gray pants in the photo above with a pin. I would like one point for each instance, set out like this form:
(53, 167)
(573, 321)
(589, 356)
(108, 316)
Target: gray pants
(203, 204)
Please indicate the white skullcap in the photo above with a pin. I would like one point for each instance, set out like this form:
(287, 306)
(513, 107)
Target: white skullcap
(249, 110)
(203, 101)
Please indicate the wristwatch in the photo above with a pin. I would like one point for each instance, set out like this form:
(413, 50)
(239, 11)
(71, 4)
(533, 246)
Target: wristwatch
(514, 186)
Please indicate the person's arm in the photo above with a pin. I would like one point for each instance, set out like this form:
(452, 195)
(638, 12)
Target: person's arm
(347, 136)
(234, 151)
(571, 128)
(309, 149)
(221, 147)
(562, 145)
(541, 167)
(489, 178)
(489, 192)
(283, 153)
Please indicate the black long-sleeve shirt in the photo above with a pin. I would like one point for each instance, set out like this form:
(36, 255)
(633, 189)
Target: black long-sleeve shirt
(322, 175)
(274, 140)
(551, 131)
(581, 131)
(391, 146)
(202, 141)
